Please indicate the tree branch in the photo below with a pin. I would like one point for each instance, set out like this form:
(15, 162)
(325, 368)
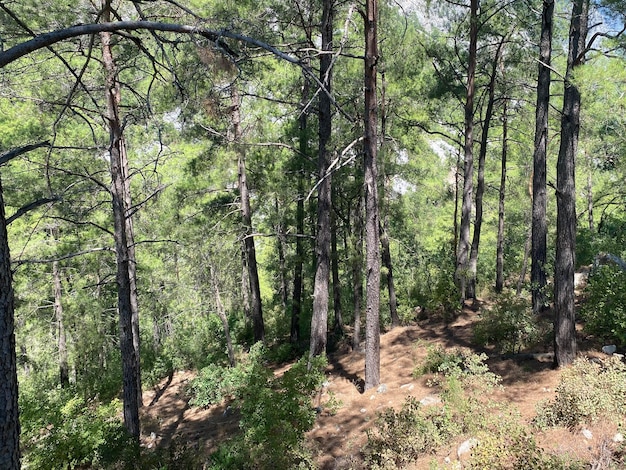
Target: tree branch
(11, 154)
(29, 207)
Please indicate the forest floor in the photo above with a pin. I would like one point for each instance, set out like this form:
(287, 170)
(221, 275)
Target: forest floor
(338, 436)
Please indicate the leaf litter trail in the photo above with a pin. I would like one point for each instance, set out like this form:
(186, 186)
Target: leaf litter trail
(340, 433)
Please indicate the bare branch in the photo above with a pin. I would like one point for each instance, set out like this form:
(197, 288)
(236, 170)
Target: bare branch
(11, 154)
(29, 207)
(61, 258)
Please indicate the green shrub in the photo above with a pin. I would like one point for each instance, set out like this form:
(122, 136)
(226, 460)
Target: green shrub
(276, 412)
(604, 311)
(587, 390)
(62, 430)
(399, 437)
(458, 364)
(510, 325)
(503, 443)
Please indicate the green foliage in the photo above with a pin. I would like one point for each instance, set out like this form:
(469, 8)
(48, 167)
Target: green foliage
(275, 414)
(62, 430)
(399, 437)
(587, 391)
(510, 325)
(604, 311)
(504, 443)
(457, 364)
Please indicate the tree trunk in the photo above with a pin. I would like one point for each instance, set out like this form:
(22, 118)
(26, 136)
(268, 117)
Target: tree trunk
(130, 357)
(565, 322)
(522, 275)
(480, 184)
(338, 326)
(539, 223)
(9, 414)
(256, 310)
(387, 263)
(222, 314)
(357, 272)
(372, 241)
(281, 243)
(462, 261)
(590, 193)
(319, 320)
(502, 194)
(64, 374)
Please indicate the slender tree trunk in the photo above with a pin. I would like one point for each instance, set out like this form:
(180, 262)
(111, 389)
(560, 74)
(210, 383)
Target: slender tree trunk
(539, 195)
(338, 326)
(281, 243)
(319, 321)
(222, 314)
(258, 325)
(64, 374)
(296, 307)
(590, 194)
(9, 414)
(502, 194)
(357, 272)
(245, 286)
(522, 274)
(565, 322)
(480, 184)
(387, 263)
(455, 243)
(372, 241)
(130, 358)
(462, 261)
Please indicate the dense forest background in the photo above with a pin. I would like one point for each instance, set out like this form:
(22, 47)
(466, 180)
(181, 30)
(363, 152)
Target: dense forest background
(303, 174)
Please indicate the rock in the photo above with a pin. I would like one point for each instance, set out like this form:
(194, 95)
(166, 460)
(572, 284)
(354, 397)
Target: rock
(618, 438)
(363, 410)
(430, 400)
(587, 433)
(466, 446)
(382, 388)
(609, 349)
(408, 386)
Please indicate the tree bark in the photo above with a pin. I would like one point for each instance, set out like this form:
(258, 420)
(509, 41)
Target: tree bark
(221, 313)
(387, 263)
(254, 287)
(565, 321)
(502, 194)
(281, 243)
(130, 357)
(319, 321)
(539, 195)
(462, 261)
(334, 257)
(480, 184)
(64, 374)
(9, 414)
(372, 241)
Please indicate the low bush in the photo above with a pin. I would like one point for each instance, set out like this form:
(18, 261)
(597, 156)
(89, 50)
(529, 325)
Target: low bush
(587, 391)
(276, 412)
(63, 430)
(510, 325)
(400, 437)
(604, 311)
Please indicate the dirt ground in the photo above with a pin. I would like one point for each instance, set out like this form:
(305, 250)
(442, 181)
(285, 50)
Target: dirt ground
(338, 437)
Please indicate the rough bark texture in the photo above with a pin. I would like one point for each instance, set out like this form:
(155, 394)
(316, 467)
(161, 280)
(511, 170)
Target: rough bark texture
(9, 415)
(372, 241)
(480, 183)
(319, 320)
(502, 193)
(130, 359)
(463, 251)
(539, 224)
(565, 322)
(254, 287)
